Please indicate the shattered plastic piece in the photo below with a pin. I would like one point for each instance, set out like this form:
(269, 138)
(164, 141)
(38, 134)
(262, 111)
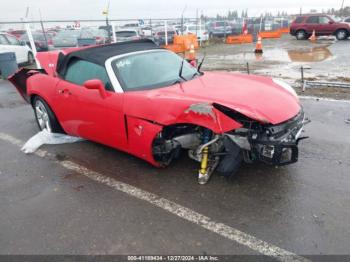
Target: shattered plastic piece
(202, 109)
(45, 137)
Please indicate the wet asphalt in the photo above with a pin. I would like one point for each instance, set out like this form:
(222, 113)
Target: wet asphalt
(326, 59)
(45, 209)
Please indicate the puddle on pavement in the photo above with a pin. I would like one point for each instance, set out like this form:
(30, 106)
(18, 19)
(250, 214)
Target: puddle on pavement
(315, 54)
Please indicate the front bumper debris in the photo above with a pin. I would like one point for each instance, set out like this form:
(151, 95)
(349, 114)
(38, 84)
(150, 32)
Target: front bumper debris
(279, 145)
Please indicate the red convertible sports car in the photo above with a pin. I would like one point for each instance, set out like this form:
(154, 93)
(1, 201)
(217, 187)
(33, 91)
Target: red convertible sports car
(149, 102)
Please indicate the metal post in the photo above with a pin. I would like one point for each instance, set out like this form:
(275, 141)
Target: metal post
(197, 22)
(166, 32)
(113, 32)
(32, 45)
(200, 32)
(43, 29)
(302, 74)
(248, 71)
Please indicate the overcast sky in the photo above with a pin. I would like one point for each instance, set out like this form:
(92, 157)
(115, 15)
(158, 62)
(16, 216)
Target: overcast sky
(92, 9)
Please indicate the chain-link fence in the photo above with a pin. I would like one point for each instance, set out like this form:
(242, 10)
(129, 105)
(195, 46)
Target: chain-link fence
(66, 33)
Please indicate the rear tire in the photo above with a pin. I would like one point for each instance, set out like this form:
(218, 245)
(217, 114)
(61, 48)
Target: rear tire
(342, 34)
(300, 35)
(44, 116)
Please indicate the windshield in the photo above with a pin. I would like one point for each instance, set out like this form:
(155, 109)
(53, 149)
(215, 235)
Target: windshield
(150, 70)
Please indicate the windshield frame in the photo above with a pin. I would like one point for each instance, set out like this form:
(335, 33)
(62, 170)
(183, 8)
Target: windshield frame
(113, 76)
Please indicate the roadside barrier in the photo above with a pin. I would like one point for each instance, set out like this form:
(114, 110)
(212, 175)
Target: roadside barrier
(270, 34)
(284, 30)
(239, 39)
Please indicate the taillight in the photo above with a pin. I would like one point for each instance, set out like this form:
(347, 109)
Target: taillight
(50, 42)
(98, 38)
(205, 33)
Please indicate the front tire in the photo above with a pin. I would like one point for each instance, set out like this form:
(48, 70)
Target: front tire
(300, 35)
(44, 116)
(341, 34)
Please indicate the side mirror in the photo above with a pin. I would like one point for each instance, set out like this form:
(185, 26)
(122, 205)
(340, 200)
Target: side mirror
(23, 43)
(331, 22)
(96, 84)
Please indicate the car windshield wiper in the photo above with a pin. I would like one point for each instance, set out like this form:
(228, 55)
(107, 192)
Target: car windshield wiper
(180, 72)
(198, 72)
(200, 64)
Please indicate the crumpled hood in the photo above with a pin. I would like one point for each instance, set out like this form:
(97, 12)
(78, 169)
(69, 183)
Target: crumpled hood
(257, 97)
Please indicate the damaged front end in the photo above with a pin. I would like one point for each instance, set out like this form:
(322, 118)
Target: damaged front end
(224, 152)
(272, 144)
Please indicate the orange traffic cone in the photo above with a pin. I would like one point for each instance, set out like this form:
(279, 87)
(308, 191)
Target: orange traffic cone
(313, 36)
(191, 54)
(258, 47)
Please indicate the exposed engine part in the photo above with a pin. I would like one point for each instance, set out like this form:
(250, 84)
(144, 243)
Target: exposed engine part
(232, 160)
(164, 151)
(188, 141)
(206, 168)
(241, 141)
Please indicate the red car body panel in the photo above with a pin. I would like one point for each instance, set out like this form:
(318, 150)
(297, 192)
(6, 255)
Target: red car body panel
(254, 96)
(130, 121)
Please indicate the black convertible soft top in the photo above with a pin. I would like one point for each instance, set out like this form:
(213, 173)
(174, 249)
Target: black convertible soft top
(99, 54)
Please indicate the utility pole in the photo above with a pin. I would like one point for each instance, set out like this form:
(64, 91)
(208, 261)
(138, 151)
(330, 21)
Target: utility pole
(342, 8)
(43, 29)
(182, 20)
(106, 12)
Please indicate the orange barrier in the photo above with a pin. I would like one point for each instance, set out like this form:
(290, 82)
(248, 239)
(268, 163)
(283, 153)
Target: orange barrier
(239, 39)
(176, 48)
(183, 43)
(284, 30)
(270, 34)
(186, 40)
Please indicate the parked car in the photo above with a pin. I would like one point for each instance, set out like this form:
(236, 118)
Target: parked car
(219, 29)
(9, 43)
(303, 26)
(127, 35)
(17, 33)
(147, 101)
(200, 31)
(66, 38)
(100, 35)
(146, 31)
(39, 41)
(347, 20)
(159, 35)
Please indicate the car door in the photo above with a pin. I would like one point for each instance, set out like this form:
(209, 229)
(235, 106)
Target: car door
(21, 51)
(85, 113)
(327, 25)
(311, 24)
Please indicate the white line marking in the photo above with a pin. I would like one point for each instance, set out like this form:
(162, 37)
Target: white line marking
(176, 209)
